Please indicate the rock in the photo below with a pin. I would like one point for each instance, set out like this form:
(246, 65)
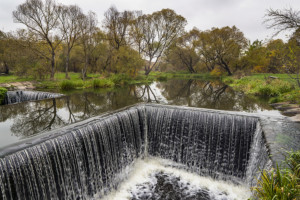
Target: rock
(279, 103)
(295, 118)
(287, 107)
(27, 85)
(273, 77)
(294, 111)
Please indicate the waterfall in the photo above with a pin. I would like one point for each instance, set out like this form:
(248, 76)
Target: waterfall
(22, 96)
(211, 144)
(93, 158)
(79, 164)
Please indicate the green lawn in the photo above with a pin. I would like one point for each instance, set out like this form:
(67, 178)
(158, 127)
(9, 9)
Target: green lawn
(12, 78)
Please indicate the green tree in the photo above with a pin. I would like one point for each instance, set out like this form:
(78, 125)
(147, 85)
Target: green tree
(225, 46)
(255, 57)
(183, 51)
(276, 50)
(292, 59)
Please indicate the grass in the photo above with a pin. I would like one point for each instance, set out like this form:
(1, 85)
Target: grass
(280, 184)
(102, 83)
(2, 94)
(99, 81)
(13, 78)
(278, 90)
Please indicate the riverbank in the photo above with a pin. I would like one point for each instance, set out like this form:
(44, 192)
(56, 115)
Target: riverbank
(276, 87)
(92, 80)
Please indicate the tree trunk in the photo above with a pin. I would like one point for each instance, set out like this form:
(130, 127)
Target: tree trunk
(67, 64)
(85, 68)
(226, 67)
(52, 65)
(147, 71)
(6, 68)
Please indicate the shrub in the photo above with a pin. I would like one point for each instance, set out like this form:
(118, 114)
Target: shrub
(102, 83)
(228, 80)
(259, 69)
(3, 92)
(276, 99)
(267, 91)
(67, 85)
(120, 79)
(162, 77)
(283, 86)
(280, 183)
(216, 72)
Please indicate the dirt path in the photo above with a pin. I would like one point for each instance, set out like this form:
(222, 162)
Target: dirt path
(288, 109)
(26, 85)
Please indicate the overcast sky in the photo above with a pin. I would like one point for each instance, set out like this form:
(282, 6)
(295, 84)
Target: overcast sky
(247, 15)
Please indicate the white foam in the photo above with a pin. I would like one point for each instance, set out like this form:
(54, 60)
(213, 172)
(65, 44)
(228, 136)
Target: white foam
(143, 170)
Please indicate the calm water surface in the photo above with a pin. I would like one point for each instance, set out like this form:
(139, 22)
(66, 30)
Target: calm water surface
(18, 121)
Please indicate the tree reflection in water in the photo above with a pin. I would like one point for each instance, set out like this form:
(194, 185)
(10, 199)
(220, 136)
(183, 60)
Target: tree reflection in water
(30, 118)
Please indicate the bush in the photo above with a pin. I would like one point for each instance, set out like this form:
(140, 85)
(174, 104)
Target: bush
(283, 86)
(276, 99)
(121, 79)
(228, 80)
(3, 92)
(67, 85)
(217, 72)
(102, 83)
(162, 78)
(280, 184)
(267, 91)
(274, 88)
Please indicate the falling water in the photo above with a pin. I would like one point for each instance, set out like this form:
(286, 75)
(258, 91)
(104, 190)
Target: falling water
(22, 96)
(94, 158)
(79, 164)
(209, 143)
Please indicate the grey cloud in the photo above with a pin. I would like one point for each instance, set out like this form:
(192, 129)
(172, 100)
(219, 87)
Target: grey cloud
(247, 15)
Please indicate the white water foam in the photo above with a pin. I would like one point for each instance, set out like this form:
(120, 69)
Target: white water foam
(143, 172)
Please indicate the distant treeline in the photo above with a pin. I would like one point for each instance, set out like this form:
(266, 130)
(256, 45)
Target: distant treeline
(63, 38)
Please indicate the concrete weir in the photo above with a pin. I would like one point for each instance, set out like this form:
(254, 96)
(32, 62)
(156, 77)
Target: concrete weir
(89, 159)
(19, 96)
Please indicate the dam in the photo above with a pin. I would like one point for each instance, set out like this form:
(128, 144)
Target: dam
(93, 158)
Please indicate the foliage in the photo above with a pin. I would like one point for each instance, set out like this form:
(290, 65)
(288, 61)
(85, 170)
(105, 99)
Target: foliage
(281, 184)
(282, 89)
(3, 92)
(120, 79)
(70, 85)
(128, 61)
(222, 46)
(162, 77)
(216, 72)
(157, 32)
(183, 51)
(102, 83)
(65, 39)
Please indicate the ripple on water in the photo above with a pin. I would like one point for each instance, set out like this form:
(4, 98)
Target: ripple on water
(156, 179)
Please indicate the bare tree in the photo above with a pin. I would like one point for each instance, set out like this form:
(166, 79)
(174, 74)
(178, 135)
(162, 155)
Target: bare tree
(69, 26)
(283, 20)
(88, 27)
(136, 33)
(41, 18)
(117, 25)
(158, 31)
